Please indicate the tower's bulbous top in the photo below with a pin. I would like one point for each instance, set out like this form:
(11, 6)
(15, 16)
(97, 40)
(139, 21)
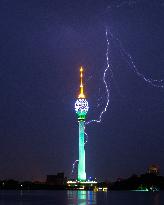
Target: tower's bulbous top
(81, 105)
(81, 108)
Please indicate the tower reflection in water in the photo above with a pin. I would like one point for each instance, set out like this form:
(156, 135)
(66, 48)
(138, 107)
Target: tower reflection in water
(81, 197)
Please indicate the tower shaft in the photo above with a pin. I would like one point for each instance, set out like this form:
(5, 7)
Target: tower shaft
(81, 164)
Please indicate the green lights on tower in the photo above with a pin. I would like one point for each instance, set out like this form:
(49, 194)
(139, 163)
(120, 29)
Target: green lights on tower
(81, 108)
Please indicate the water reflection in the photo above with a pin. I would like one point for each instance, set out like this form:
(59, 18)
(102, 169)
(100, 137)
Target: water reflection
(81, 197)
(156, 199)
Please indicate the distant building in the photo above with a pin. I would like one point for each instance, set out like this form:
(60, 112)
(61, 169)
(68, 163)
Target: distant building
(56, 180)
(153, 169)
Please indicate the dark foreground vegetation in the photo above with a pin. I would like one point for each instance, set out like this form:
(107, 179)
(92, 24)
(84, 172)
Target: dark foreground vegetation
(28, 185)
(144, 181)
(132, 183)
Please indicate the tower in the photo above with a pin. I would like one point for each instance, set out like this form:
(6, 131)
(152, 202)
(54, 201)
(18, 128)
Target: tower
(81, 109)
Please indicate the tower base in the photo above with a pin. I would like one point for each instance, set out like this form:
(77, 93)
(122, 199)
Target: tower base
(81, 185)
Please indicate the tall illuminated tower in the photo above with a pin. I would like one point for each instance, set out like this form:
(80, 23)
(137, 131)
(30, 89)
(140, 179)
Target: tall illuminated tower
(81, 108)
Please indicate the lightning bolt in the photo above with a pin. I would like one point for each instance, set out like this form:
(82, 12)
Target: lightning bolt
(132, 65)
(129, 59)
(73, 166)
(86, 137)
(107, 87)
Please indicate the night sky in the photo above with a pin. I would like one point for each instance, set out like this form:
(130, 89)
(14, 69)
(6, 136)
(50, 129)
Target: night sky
(42, 45)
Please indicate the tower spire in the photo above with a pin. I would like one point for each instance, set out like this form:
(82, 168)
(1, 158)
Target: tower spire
(81, 95)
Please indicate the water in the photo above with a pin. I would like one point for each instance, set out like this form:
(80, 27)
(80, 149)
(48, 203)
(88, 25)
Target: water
(80, 198)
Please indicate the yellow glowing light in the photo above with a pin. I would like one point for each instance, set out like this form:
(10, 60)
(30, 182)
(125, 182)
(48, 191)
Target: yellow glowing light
(105, 189)
(81, 95)
(81, 182)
